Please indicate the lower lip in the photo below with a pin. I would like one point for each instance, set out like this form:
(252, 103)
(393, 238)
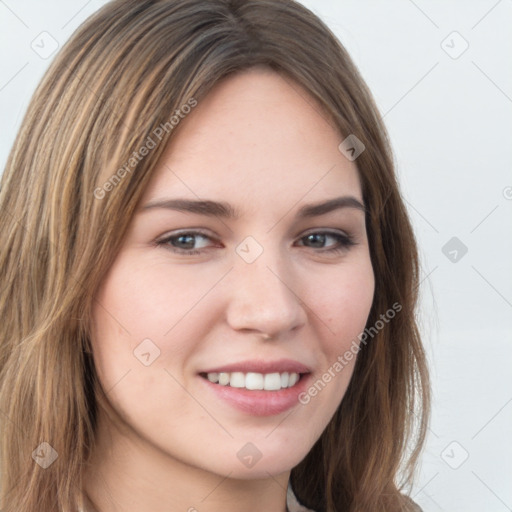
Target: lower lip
(260, 402)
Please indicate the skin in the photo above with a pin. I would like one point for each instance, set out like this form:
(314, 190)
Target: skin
(165, 442)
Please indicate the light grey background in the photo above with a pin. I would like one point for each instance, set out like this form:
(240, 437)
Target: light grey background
(448, 111)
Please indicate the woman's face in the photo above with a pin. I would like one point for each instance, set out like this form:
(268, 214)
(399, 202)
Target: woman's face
(225, 247)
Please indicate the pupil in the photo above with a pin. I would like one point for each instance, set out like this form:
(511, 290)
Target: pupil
(184, 237)
(319, 238)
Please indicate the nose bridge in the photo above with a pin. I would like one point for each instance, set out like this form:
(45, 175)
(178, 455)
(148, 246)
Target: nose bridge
(264, 292)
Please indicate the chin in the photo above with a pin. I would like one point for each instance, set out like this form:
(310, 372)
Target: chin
(248, 464)
(261, 470)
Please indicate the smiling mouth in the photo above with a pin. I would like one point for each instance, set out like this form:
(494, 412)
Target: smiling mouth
(254, 381)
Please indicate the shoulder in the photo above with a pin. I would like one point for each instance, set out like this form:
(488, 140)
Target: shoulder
(292, 504)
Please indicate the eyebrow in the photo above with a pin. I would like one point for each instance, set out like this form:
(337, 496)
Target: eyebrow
(227, 211)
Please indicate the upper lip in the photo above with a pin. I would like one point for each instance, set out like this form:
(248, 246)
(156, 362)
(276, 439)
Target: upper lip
(260, 366)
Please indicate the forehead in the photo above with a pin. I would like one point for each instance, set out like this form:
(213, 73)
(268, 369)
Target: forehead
(256, 137)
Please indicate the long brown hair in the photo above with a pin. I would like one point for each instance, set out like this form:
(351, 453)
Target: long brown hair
(122, 75)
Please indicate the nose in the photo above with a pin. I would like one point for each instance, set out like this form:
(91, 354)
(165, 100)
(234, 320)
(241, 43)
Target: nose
(265, 297)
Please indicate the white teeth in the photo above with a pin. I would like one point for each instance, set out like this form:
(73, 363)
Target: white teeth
(223, 378)
(252, 380)
(272, 381)
(237, 380)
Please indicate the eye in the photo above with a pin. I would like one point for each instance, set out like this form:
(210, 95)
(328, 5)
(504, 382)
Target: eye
(318, 240)
(184, 242)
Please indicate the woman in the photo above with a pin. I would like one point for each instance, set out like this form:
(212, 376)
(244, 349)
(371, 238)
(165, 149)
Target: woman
(209, 275)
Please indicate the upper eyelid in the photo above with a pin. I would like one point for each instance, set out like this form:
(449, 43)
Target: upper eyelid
(195, 231)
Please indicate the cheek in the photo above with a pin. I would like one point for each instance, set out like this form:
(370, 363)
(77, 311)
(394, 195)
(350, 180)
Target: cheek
(143, 313)
(343, 303)
(136, 333)
(140, 300)
(128, 324)
(340, 312)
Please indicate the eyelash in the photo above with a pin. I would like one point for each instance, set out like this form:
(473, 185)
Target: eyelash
(344, 242)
